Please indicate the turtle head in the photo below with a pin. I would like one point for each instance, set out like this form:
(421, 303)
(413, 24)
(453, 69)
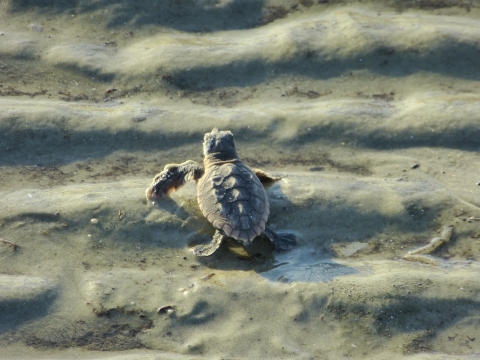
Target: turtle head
(219, 145)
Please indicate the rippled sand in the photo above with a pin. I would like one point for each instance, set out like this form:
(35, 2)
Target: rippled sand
(369, 111)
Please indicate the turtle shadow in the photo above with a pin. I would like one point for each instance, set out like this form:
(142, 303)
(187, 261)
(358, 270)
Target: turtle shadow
(320, 223)
(299, 264)
(233, 256)
(327, 216)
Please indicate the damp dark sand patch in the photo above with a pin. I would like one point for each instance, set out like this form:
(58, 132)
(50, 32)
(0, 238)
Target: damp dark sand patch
(119, 333)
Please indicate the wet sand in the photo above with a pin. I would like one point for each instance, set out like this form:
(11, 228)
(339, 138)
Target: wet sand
(369, 111)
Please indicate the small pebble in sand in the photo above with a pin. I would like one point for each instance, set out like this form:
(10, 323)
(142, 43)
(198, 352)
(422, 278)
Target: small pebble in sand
(165, 309)
(139, 118)
(94, 221)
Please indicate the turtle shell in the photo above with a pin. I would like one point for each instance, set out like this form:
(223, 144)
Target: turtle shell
(234, 200)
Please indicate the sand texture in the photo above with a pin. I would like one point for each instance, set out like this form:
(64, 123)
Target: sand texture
(370, 113)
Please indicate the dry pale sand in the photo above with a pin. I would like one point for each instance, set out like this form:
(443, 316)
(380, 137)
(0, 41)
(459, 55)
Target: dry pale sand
(371, 113)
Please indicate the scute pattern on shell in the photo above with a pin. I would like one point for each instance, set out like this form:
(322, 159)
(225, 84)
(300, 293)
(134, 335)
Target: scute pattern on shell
(234, 200)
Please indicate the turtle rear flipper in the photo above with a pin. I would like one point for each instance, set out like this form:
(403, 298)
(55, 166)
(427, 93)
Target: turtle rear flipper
(210, 248)
(173, 177)
(282, 241)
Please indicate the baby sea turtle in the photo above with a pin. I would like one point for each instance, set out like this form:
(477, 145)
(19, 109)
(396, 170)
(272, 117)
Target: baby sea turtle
(229, 193)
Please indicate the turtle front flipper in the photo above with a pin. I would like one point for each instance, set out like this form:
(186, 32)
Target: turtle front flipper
(264, 177)
(209, 249)
(282, 241)
(173, 177)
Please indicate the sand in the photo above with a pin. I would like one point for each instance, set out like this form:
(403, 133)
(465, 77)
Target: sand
(370, 112)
